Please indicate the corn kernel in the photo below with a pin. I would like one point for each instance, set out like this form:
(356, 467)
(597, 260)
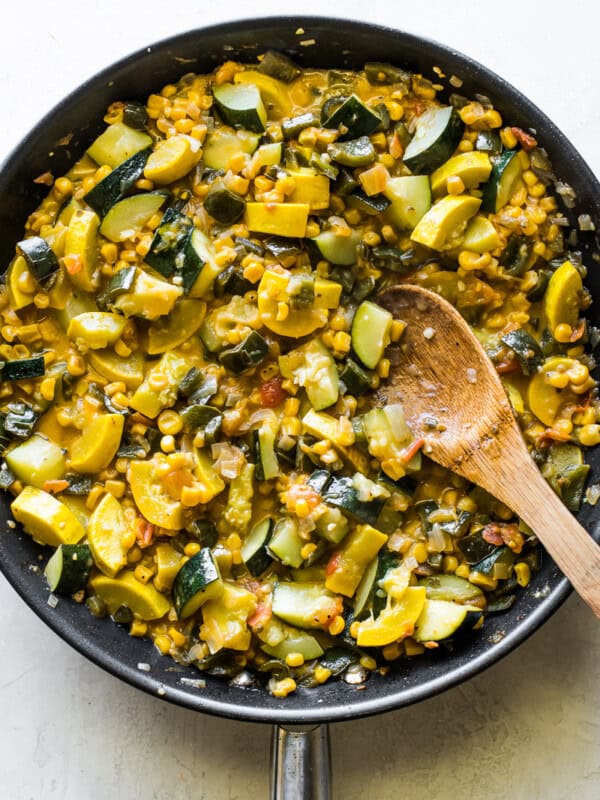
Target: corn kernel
(352, 216)
(563, 332)
(94, 495)
(307, 550)
(420, 552)
(162, 642)
(116, 488)
(367, 662)
(253, 272)
(322, 674)
(354, 629)
(47, 387)
(138, 628)
(167, 444)
(412, 648)
(449, 564)
(191, 549)
(383, 368)
(294, 659)
(371, 239)
(392, 651)
(284, 687)
(342, 341)
(75, 365)
(312, 230)
(291, 407)
(395, 110)
(337, 625)
(523, 573)
(179, 639)
(398, 328)
(462, 571)
(589, 435)
(170, 422)
(508, 139)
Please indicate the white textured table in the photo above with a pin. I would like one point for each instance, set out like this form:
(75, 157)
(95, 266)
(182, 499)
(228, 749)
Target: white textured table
(525, 729)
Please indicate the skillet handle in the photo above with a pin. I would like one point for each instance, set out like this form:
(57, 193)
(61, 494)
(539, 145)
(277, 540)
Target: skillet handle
(300, 763)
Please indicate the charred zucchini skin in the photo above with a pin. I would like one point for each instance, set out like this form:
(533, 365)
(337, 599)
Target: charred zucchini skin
(116, 185)
(39, 256)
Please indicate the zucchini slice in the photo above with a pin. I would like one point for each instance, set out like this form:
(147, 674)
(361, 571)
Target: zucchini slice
(37, 460)
(306, 604)
(563, 297)
(355, 379)
(118, 143)
(172, 159)
(128, 216)
(280, 640)
(116, 185)
(169, 370)
(45, 518)
(480, 236)
(169, 332)
(452, 588)
(348, 564)
(281, 219)
(222, 145)
(96, 447)
(23, 369)
(125, 590)
(438, 132)
(39, 256)
(410, 198)
(69, 568)
(342, 493)
(472, 168)
(445, 221)
(148, 297)
(340, 250)
(245, 355)
(273, 92)
(352, 118)
(267, 466)
(197, 581)
(81, 249)
(106, 534)
(311, 188)
(506, 172)
(255, 551)
(441, 619)
(241, 106)
(152, 499)
(313, 367)
(395, 622)
(371, 329)
(107, 363)
(543, 399)
(98, 329)
(17, 276)
(286, 543)
(225, 619)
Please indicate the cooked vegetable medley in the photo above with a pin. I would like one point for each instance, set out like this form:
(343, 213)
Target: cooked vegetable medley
(192, 349)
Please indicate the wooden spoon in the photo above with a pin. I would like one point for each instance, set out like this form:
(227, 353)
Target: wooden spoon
(453, 398)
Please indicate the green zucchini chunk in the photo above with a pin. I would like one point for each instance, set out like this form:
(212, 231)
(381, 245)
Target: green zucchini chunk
(116, 184)
(39, 256)
(438, 132)
(69, 568)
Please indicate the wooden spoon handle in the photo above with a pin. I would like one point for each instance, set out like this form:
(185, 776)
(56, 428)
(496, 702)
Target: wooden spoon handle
(570, 545)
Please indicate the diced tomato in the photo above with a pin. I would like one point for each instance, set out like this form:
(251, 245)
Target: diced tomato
(271, 392)
(491, 534)
(526, 140)
(508, 533)
(73, 263)
(396, 148)
(333, 564)
(261, 616)
(144, 532)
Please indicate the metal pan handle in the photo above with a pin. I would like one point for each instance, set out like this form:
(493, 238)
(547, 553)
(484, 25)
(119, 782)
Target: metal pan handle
(300, 763)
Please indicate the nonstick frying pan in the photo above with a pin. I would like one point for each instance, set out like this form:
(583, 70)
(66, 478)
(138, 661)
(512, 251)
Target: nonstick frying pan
(300, 750)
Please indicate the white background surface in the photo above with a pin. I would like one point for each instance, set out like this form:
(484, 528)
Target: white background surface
(528, 727)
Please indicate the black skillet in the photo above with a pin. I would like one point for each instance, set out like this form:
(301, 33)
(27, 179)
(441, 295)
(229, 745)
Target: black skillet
(301, 756)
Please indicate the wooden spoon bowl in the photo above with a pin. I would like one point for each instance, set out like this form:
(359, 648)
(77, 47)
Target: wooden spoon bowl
(453, 399)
